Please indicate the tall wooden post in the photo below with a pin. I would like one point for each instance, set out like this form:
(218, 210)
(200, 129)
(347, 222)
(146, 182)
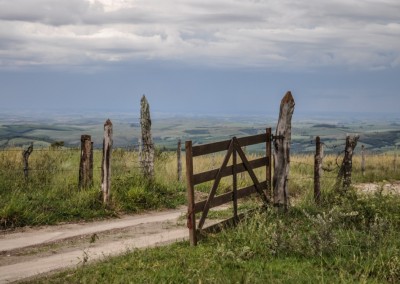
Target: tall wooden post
(191, 216)
(86, 162)
(317, 170)
(363, 160)
(106, 161)
(395, 159)
(147, 141)
(179, 160)
(347, 164)
(91, 164)
(25, 154)
(282, 151)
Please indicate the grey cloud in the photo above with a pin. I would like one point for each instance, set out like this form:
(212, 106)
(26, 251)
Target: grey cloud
(51, 12)
(261, 33)
(73, 12)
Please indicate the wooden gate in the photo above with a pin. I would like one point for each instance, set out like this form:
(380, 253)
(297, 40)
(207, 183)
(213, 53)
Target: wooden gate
(233, 148)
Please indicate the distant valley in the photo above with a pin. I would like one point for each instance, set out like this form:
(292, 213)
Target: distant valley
(19, 130)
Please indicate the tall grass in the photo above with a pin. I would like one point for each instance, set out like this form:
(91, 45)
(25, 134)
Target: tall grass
(52, 195)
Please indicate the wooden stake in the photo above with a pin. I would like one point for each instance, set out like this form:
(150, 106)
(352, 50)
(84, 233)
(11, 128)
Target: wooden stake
(347, 164)
(179, 160)
(86, 162)
(106, 161)
(91, 164)
(317, 171)
(395, 159)
(25, 154)
(147, 141)
(282, 151)
(191, 215)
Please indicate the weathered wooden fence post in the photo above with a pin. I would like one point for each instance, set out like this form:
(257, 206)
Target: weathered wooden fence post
(147, 141)
(179, 160)
(91, 164)
(347, 164)
(281, 154)
(317, 170)
(191, 215)
(86, 162)
(395, 159)
(363, 160)
(25, 154)
(106, 161)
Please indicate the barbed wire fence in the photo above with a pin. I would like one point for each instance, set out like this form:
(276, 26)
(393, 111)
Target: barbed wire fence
(335, 167)
(67, 160)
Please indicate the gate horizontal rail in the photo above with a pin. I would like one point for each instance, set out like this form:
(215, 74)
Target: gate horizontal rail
(215, 147)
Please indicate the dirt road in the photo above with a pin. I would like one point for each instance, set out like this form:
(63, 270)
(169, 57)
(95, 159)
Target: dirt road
(28, 252)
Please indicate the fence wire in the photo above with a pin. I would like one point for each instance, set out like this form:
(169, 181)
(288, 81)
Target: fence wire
(136, 165)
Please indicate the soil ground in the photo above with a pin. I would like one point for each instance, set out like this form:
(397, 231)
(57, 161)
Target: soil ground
(383, 188)
(28, 252)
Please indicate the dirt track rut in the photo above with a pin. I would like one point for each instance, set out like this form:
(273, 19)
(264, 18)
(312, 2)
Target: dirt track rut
(27, 252)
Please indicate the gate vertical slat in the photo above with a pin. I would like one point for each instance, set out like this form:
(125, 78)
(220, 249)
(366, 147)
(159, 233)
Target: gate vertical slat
(234, 191)
(191, 224)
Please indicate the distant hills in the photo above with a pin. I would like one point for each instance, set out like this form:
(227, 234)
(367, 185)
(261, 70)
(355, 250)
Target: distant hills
(20, 130)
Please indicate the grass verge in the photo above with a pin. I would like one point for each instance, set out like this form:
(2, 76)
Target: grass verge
(350, 239)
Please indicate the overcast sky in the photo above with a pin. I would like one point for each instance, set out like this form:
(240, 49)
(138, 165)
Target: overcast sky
(200, 56)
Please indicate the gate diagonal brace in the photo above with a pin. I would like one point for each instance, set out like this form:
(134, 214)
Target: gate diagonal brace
(246, 163)
(215, 185)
